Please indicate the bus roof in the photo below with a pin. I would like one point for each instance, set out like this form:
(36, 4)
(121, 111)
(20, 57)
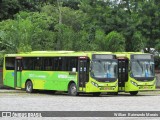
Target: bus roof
(56, 53)
(47, 52)
(128, 54)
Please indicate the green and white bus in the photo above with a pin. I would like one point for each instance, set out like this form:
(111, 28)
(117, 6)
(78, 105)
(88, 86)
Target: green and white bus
(69, 71)
(135, 72)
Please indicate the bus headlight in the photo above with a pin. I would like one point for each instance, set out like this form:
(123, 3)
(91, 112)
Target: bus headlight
(134, 83)
(95, 84)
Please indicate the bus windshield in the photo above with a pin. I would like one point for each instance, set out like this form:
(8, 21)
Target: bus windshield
(104, 69)
(142, 68)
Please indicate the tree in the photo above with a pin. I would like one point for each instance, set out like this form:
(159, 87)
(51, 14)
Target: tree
(149, 15)
(8, 8)
(15, 36)
(115, 42)
(138, 42)
(157, 44)
(27, 32)
(99, 42)
(80, 24)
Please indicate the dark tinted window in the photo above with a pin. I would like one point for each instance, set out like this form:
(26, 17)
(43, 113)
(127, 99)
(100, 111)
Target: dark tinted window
(50, 63)
(10, 62)
(29, 63)
(72, 63)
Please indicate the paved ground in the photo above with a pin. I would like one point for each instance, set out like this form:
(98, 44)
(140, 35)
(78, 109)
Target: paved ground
(18, 100)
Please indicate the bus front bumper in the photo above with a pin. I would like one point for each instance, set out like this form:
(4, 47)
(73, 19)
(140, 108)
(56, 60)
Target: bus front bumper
(94, 87)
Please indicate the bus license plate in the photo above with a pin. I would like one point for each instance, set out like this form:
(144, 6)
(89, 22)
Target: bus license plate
(107, 88)
(145, 87)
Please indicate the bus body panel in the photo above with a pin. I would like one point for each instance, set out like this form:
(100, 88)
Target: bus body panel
(57, 81)
(102, 87)
(48, 80)
(140, 86)
(8, 78)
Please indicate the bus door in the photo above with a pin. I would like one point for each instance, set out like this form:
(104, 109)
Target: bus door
(18, 72)
(122, 72)
(83, 71)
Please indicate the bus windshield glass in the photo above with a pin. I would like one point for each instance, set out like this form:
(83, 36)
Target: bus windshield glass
(104, 69)
(142, 68)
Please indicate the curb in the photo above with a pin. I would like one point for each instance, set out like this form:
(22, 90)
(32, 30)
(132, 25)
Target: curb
(11, 91)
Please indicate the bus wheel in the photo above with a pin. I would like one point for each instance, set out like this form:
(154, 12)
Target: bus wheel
(133, 92)
(72, 91)
(29, 87)
(97, 94)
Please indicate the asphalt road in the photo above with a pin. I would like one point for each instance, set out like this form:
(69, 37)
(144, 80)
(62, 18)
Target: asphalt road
(18, 100)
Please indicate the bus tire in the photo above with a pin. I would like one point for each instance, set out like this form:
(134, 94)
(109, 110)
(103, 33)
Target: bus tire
(72, 90)
(96, 94)
(29, 87)
(133, 93)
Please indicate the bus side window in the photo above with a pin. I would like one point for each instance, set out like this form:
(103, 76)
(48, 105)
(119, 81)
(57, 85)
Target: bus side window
(48, 64)
(25, 63)
(55, 63)
(10, 63)
(30, 63)
(73, 63)
(60, 64)
(38, 63)
(64, 64)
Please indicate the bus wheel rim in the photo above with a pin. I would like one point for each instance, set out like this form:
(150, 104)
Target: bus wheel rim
(73, 90)
(28, 87)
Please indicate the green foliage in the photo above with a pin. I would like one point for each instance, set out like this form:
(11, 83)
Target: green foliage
(157, 62)
(100, 38)
(1, 59)
(127, 25)
(16, 35)
(65, 37)
(26, 33)
(138, 42)
(8, 8)
(157, 44)
(115, 42)
(150, 23)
